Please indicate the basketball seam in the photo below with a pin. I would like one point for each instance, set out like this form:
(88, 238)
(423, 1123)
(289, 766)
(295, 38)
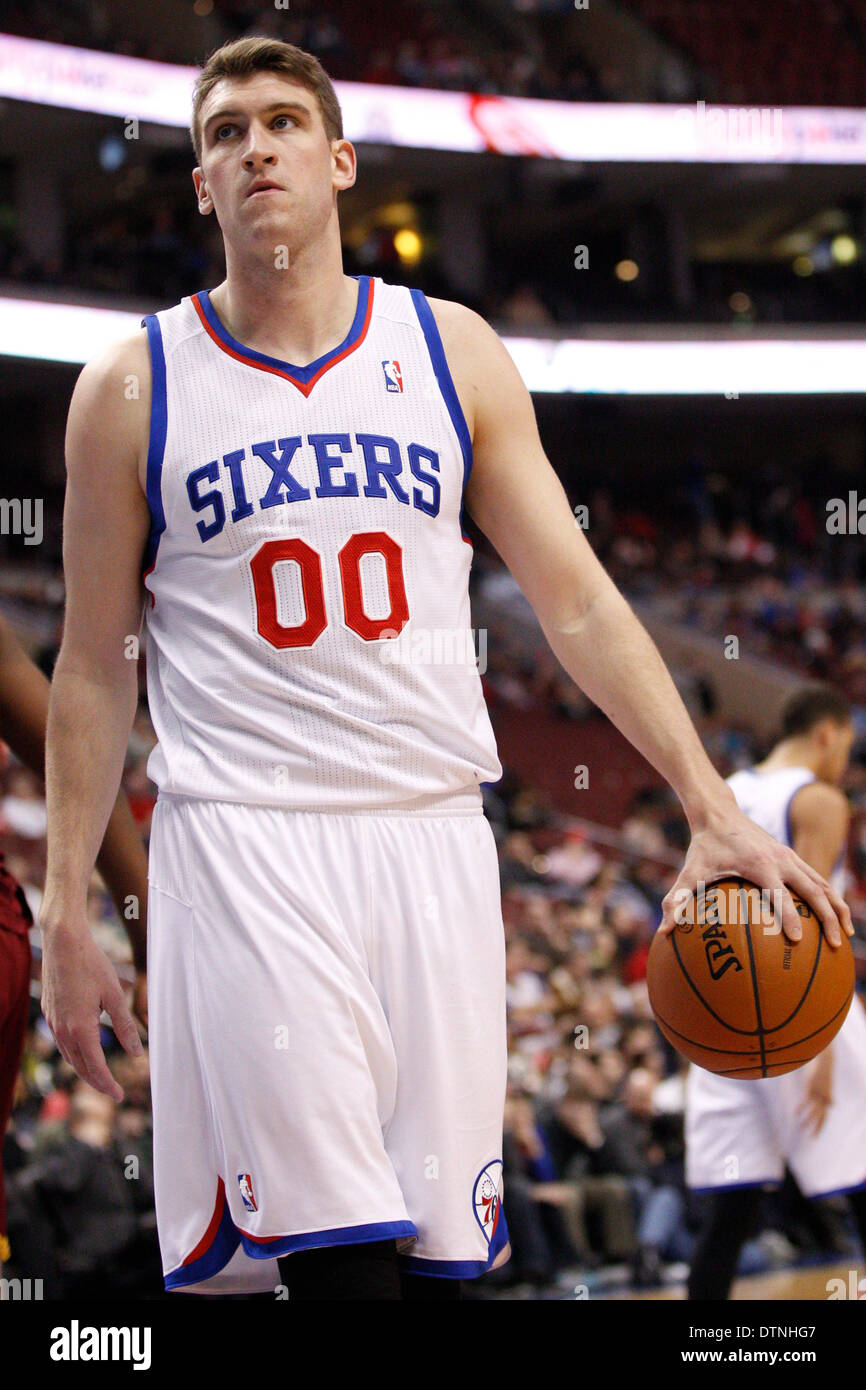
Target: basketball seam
(754, 974)
(770, 1051)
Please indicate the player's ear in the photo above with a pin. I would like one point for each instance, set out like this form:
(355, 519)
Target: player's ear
(345, 164)
(205, 203)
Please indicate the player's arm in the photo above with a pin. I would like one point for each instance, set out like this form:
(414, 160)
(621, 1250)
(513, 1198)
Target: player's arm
(122, 861)
(820, 819)
(518, 502)
(94, 694)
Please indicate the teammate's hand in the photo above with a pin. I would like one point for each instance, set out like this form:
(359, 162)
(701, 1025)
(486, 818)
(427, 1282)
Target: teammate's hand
(78, 982)
(819, 1092)
(735, 846)
(139, 998)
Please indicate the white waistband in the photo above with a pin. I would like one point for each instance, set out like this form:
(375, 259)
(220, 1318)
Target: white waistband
(464, 802)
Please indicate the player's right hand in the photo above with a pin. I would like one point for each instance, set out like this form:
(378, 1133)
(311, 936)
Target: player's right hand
(78, 982)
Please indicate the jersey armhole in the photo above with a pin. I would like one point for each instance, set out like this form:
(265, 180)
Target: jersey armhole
(433, 338)
(156, 442)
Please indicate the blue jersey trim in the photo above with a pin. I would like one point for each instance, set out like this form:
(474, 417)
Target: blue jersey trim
(443, 1269)
(460, 1269)
(315, 1240)
(431, 333)
(789, 829)
(303, 374)
(838, 1191)
(228, 1238)
(215, 1258)
(156, 444)
(500, 1239)
(737, 1186)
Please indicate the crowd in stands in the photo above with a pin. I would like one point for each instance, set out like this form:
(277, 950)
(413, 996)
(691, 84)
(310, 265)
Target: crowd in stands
(141, 239)
(780, 52)
(410, 45)
(763, 561)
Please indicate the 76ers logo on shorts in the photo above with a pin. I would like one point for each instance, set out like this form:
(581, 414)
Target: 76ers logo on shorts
(487, 1197)
(393, 376)
(245, 1183)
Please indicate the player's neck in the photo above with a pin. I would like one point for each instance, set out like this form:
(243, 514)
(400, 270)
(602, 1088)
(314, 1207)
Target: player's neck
(791, 753)
(295, 313)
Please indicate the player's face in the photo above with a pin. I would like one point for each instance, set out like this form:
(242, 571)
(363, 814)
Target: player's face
(839, 739)
(266, 130)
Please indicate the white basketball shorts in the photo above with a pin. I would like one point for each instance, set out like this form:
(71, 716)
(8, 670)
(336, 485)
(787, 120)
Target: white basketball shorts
(327, 1034)
(744, 1133)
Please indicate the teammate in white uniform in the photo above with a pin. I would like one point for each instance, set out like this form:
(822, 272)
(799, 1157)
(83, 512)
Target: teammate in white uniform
(740, 1135)
(326, 946)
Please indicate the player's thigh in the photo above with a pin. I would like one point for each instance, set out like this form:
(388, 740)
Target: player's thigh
(834, 1158)
(440, 970)
(439, 961)
(260, 981)
(729, 1132)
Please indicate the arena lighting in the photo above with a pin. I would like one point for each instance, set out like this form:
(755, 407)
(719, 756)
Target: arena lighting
(691, 367)
(41, 331)
(136, 88)
(845, 250)
(408, 245)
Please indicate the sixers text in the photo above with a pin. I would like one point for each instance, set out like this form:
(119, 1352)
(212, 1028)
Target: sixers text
(324, 460)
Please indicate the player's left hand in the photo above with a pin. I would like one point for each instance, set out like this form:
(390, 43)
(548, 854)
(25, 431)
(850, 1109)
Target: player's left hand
(733, 845)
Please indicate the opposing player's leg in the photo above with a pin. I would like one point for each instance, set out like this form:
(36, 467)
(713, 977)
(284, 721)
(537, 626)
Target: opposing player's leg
(14, 1009)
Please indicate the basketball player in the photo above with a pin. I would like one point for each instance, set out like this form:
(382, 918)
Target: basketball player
(289, 458)
(122, 861)
(741, 1134)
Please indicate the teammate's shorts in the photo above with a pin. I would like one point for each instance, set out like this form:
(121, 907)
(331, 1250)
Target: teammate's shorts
(326, 999)
(744, 1133)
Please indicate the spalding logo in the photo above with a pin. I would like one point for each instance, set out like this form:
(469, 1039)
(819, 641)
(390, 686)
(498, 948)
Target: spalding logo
(721, 956)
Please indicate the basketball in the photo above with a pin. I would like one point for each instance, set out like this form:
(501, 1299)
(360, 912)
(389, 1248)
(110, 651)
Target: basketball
(733, 994)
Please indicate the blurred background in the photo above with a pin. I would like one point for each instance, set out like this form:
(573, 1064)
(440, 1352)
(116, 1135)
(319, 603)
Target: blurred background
(661, 206)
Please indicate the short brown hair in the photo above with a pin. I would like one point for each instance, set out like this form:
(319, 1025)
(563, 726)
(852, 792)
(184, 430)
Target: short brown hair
(812, 704)
(244, 57)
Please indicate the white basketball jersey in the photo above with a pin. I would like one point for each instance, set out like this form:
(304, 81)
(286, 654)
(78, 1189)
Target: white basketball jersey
(766, 798)
(308, 631)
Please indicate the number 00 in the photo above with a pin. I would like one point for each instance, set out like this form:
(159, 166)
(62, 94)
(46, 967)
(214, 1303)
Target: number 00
(309, 562)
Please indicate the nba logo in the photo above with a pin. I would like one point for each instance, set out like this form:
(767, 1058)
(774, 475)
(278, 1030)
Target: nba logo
(393, 376)
(245, 1183)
